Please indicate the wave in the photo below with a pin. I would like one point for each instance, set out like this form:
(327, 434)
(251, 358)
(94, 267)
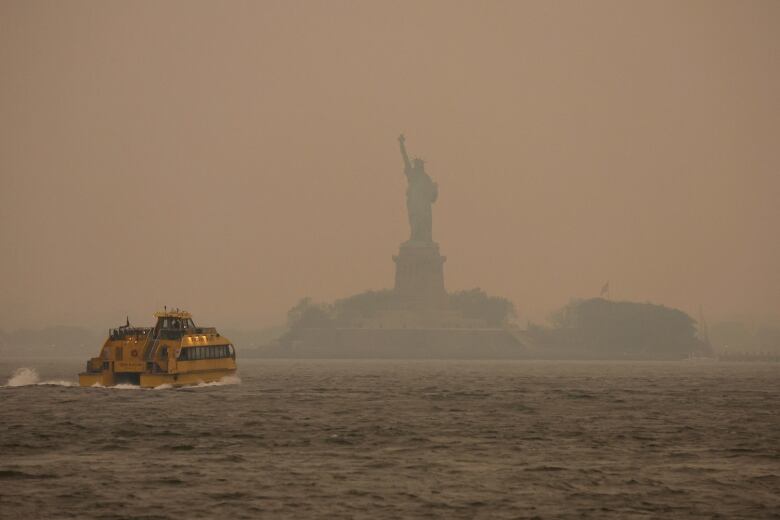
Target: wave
(29, 377)
(227, 380)
(125, 386)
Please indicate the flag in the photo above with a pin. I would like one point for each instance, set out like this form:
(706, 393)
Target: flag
(605, 289)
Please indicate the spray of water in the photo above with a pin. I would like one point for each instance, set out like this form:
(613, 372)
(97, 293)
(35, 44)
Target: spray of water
(29, 376)
(23, 377)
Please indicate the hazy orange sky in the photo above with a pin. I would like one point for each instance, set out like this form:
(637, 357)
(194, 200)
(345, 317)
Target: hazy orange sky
(232, 157)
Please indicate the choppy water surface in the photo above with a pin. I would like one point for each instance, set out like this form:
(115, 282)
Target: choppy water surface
(389, 439)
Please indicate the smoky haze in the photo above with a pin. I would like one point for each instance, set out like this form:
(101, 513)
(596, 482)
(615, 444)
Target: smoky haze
(231, 158)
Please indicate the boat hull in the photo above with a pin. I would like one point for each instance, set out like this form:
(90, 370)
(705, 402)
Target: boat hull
(154, 380)
(96, 379)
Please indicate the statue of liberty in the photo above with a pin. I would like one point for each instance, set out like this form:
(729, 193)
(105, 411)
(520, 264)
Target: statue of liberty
(421, 193)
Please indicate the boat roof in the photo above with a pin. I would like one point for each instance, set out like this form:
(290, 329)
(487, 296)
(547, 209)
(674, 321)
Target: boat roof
(173, 314)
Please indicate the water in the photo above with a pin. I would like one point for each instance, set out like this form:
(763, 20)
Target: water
(390, 439)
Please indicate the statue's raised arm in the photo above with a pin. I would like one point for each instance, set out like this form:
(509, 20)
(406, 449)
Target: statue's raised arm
(407, 162)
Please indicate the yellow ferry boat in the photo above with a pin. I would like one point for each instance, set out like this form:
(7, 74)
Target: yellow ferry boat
(173, 352)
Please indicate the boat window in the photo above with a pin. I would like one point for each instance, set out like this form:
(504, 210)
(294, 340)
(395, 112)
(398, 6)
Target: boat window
(207, 352)
(118, 353)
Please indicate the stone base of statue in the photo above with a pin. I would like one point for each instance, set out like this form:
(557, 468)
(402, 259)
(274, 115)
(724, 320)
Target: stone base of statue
(417, 323)
(419, 275)
(417, 319)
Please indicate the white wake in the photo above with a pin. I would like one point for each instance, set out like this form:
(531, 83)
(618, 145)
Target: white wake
(227, 380)
(29, 376)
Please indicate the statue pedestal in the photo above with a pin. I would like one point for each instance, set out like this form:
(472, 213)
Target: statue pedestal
(419, 275)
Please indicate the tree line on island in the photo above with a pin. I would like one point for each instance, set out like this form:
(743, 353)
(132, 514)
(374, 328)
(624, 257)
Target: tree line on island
(587, 328)
(601, 328)
(476, 304)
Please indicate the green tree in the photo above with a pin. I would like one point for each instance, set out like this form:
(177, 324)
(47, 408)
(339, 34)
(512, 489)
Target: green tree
(477, 304)
(366, 304)
(599, 326)
(307, 314)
